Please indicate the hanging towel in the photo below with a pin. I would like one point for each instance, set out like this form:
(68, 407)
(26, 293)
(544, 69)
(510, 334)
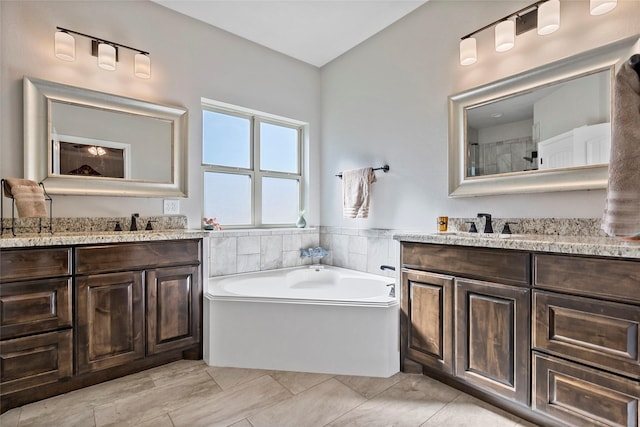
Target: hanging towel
(28, 196)
(622, 206)
(356, 192)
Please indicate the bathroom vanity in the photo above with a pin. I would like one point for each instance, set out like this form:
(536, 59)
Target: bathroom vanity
(81, 310)
(545, 327)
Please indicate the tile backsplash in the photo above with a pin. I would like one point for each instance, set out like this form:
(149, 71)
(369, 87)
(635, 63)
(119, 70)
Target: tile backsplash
(232, 252)
(238, 251)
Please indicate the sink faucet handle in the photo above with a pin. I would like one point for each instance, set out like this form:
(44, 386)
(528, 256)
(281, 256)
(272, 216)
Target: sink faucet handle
(488, 227)
(472, 227)
(506, 229)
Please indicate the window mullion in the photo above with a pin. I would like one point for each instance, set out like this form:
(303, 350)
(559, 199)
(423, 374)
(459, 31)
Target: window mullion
(257, 181)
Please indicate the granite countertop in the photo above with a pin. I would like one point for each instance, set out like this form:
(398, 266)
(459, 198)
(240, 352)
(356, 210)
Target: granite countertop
(93, 237)
(579, 245)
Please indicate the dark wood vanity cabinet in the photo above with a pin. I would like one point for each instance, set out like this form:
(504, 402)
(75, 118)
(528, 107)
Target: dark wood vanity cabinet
(586, 340)
(123, 307)
(471, 302)
(35, 318)
(553, 338)
(151, 307)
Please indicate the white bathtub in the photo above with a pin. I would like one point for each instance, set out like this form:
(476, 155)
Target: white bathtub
(309, 319)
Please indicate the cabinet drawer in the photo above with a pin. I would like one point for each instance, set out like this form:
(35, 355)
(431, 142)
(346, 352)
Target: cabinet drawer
(34, 263)
(511, 267)
(600, 333)
(582, 396)
(136, 256)
(36, 360)
(599, 277)
(34, 306)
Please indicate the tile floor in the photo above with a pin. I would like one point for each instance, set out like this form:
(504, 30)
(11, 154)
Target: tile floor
(190, 393)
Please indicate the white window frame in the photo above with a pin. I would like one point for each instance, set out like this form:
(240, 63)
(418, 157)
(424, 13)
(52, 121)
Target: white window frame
(255, 172)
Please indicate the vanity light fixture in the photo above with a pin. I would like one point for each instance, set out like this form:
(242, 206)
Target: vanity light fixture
(544, 14)
(600, 7)
(105, 50)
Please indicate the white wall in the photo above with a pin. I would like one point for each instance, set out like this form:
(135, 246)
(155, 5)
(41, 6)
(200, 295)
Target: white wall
(189, 60)
(513, 130)
(386, 102)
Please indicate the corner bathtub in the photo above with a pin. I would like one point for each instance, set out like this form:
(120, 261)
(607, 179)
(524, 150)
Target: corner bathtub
(308, 319)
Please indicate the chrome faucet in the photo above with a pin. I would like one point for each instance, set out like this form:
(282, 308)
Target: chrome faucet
(488, 227)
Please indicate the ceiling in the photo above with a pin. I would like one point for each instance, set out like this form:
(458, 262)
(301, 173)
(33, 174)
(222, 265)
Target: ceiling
(313, 31)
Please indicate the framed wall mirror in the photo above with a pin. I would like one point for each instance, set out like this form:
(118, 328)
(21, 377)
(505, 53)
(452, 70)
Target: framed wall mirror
(84, 142)
(548, 129)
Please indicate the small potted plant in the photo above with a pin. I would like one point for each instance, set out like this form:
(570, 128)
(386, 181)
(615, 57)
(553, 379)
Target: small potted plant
(211, 224)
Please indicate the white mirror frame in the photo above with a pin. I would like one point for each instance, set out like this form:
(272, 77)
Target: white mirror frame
(577, 178)
(38, 95)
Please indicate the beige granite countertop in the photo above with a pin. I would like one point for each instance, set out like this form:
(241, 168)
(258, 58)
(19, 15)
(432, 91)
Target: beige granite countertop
(93, 237)
(579, 245)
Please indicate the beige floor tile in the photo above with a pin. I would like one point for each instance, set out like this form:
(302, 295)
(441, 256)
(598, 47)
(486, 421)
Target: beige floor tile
(231, 377)
(314, 407)
(297, 382)
(410, 402)
(161, 421)
(231, 405)
(466, 411)
(61, 417)
(149, 404)
(89, 397)
(10, 418)
(369, 386)
(169, 374)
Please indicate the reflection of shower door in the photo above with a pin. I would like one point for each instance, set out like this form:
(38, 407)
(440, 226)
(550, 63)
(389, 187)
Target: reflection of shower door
(473, 160)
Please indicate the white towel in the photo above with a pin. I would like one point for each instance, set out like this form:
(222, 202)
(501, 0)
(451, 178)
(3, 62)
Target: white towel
(622, 207)
(356, 192)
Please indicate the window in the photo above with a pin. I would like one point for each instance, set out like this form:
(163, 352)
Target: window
(252, 167)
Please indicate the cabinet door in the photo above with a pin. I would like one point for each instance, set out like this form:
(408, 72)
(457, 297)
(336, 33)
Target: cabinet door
(427, 319)
(110, 320)
(581, 396)
(34, 361)
(492, 337)
(173, 308)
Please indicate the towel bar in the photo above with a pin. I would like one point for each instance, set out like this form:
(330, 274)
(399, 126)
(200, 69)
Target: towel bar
(384, 168)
